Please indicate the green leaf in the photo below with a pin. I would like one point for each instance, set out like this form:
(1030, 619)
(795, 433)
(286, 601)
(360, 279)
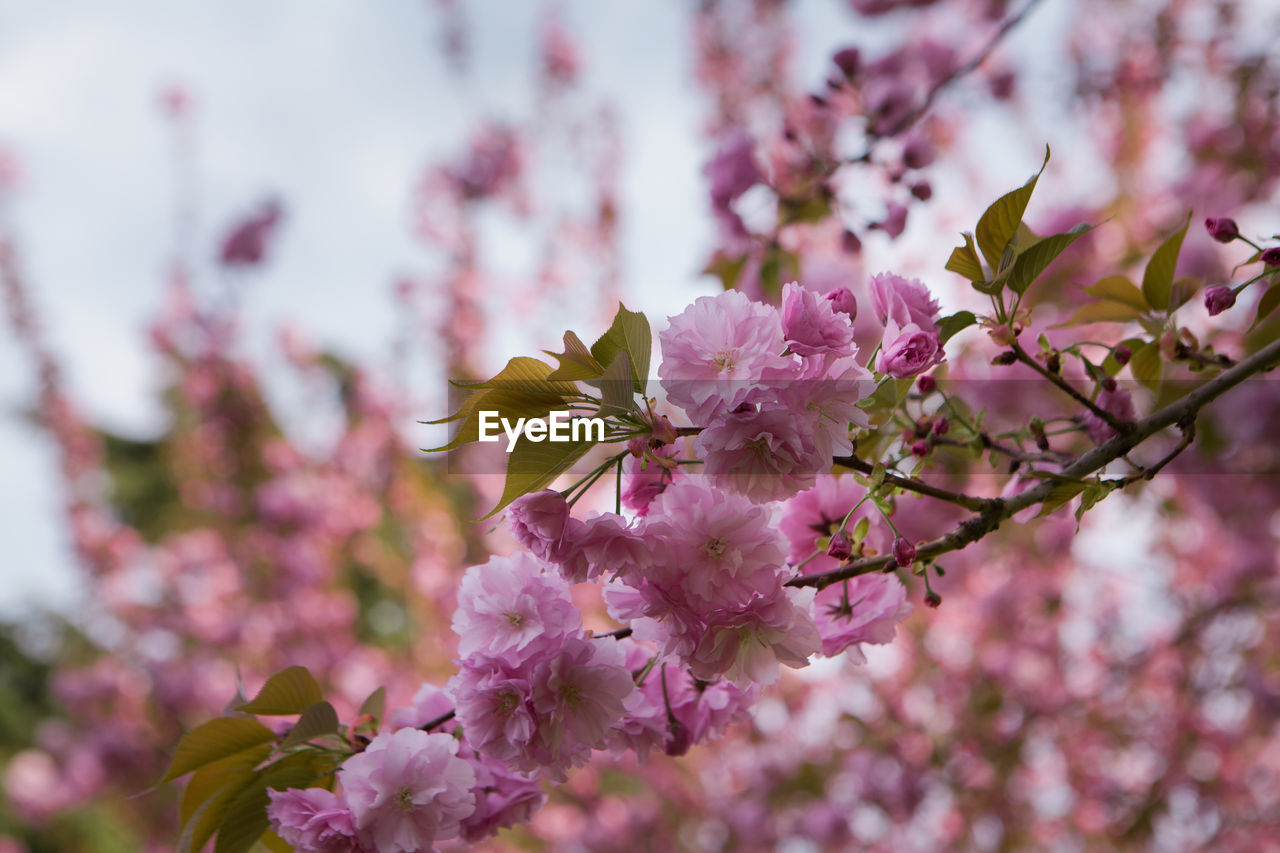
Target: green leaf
(535, 465)
(318, 720)
(245, 819)
(526, 376)
(375, 705)
(1059, 495)
(617, 390)
(811, 208)
(1268, 303)
(999, 224)
(1102, 312)
(964, 260)
(629, 333)
(512, 405)
(1033, 261)
(576, 362)
(210, 789)
(950, 325)
(1182, 291)
(214, 740)
(1118, 288)
(778, 266)
(1157, 278)
(1093, 492)
(275, 843)
(290, 691)
(1146, 365)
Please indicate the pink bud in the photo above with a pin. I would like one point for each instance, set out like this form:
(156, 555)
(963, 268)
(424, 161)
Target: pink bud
(1122, 355)
(940, 426)
(1271, 257)
(926, 384)
(679, 738)
(663, 431)
(904, 553)
(848, 60)
(841, 548)
(922, 190)
(1223, 230)
(1108, 383)
(918, 152)
(636, 447)
(932, 599)
(920, 448)
(1219, 299)
(842, 300)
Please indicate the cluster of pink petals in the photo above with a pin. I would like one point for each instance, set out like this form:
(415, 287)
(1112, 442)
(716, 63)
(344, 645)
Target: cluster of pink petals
(774, 393)
(912, 343)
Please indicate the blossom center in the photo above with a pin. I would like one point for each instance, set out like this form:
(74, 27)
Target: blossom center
(714, 548)
(404, 799)
(514, 619)
(726, 359)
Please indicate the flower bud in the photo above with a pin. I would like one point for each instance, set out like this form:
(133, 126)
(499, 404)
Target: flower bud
(918, 152)
(926, 384)
(636, 447)
(1108, 383)
(920, 448)
(922, 190)
(1218, 299)
(849, 243)
(1005, 358)
(1053, 363)
(1223, 230)
(1122, 355)
(1271, 257)
(848, 60)
(840, 548)
(679, 738)
(932, 599)
(904, 553)
(940, 426)
(841, 299)
(663, 431)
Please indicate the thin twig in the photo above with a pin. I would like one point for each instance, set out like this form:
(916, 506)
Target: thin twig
(1108, 418)
(911, 484)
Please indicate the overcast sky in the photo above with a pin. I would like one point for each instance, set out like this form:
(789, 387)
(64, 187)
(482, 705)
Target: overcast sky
(334, 107)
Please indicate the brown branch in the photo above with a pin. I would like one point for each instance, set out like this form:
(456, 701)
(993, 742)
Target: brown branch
(972, 529)
(911, 484)
(1108, 418)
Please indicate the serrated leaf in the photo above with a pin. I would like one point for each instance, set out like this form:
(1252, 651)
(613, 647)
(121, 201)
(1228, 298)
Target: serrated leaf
(1268, 303)
(245, 819)
(526, 376)
(1034, 260)
(215, 740)
(999, 223)
(1157, 278)
(290, 691)
(617, 390)
(964, 260)
(512, 405)
(1146, 365)
(576, 362)
(533, 466)
(1118, 288)
(375, 706)
(1101, 312)
(948, 326)
(629, 332)
(318, 720)
(210, 789)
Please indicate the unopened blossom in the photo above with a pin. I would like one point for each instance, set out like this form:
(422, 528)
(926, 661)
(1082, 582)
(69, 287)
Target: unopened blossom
(811, 323)
(864, 609)
(246, 245)
(1218, 299)
(511, 607)
(408, 789)
(538, 522)
(909, 351)
(647, 476)
(842, 300)
(313, 820)
(816, 514)
(721, 352)
(1222, 229)
(905, 301)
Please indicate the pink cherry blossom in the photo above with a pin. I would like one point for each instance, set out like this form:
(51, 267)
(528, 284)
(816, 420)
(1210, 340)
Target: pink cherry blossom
(721, 352)
(864, 609)
(407, 789)
(314, 819)
(746, 645)
(511, 608)
(812, 325)
(767, 454)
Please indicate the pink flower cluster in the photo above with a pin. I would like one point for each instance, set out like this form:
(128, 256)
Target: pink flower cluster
(912, 343)
(775, 392)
